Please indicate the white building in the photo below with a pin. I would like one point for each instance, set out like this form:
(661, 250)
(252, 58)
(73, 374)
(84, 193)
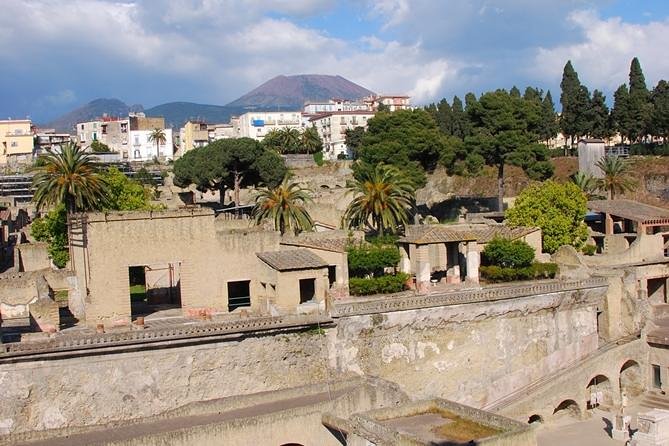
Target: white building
(393, 102)
(257, 125)
(142, 148)
(332, 130)
(333, 105)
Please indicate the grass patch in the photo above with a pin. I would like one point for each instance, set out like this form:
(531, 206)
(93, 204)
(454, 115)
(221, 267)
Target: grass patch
(60, 295)
(137, 293)
(461, 429)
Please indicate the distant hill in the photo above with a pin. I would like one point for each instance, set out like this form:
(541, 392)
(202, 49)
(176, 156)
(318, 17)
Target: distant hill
(282, 92)
(177, 113)
(90, 111)
(294, 91)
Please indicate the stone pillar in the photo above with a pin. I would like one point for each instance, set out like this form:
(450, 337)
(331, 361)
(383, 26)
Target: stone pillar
(423, 268)
(473, 261)
(608, 224)
(405, 261)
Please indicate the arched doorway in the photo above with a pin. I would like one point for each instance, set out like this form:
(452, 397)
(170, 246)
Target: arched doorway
(599, 392)
(567, 408)
(535, 419)
(631, 379)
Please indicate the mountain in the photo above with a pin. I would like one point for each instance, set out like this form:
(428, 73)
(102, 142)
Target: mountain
(90, 111)
(294, 91)
(177, 113)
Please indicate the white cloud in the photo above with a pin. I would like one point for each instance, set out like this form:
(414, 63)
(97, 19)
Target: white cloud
(393, 12)
(603, 57)
(62, 97)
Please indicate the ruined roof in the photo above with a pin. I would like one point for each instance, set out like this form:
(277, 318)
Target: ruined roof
(326, 244)
(292, 259)
(631, 210)
(482, 233)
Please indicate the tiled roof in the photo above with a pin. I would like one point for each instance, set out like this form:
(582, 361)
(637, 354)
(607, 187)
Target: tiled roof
(292, 259)
(482, 233)
(326, 244)
(631, 210)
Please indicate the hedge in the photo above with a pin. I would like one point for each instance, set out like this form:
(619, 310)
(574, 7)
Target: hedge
(537, 270)
(508, 253)
(377, 285)
(371, 259)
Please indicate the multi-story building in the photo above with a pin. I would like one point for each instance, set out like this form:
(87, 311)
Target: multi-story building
(257, 125)
(332, 130)
(333, 105)
(193, 134)
(48, 140)
(16, 141)
(222, 131)
(392, 102)
(142, 148)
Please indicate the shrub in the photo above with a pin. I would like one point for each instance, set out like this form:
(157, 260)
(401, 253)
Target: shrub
(342, 156)
(371, 259)
(508, 253)
(318, 158)
(377, 285)
(494, 273)
(589, 250)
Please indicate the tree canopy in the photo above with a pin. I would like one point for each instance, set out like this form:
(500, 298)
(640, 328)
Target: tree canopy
(558, 209)
(229, 164)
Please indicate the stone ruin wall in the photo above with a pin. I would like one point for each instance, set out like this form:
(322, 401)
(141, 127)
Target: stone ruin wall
(473, 354)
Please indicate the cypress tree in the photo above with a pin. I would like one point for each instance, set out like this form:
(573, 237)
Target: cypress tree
(460, 126)
(620, 114)
(639, 103)
(444, 118)
(599, 116)
(571, 90)
(514, 92)
(660, 116)
(549, 123)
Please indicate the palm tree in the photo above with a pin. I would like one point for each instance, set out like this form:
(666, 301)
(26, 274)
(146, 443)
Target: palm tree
(311, 141)
(616, 178)
(289, 140)
(158, 136)
(68, 177)
(587, 183)
(383, 195)
(285, 206)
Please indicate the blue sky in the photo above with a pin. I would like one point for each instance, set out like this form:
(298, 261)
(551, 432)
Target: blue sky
(59, 54)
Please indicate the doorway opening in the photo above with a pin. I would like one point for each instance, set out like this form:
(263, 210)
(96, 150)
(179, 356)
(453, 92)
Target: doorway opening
(307, 290)
(155, 288)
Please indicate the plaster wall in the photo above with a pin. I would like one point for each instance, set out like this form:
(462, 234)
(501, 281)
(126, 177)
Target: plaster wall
(474, 354)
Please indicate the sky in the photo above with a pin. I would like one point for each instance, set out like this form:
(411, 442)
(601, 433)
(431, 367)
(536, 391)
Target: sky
(56, 55)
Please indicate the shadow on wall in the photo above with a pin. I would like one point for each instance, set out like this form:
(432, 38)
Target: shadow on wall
(451, 209)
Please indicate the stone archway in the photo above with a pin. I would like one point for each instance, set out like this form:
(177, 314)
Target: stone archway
(600, 386)
(631, 379)
(567, 408)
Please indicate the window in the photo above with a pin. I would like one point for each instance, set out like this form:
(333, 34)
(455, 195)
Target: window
(657, 377)
(137, 154)
(332, 274)
(239, 294)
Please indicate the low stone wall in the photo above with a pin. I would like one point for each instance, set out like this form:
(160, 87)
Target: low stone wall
(33, 256)
(42, 395)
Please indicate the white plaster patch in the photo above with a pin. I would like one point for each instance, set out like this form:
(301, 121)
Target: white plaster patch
(53, 418)
(6, 426)
(450, 344)
(422, 346)
(394, 351)
(442, 366)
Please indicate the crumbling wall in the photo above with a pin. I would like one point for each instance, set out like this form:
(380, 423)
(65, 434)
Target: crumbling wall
(33, 256)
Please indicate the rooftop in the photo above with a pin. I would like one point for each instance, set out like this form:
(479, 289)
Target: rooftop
(631, 210)
(338, 244)
(482, 233)
(292, 259)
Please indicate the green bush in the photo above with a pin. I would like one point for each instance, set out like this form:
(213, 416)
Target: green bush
(377, 285)
(589, 250)
(508, 253)
(494, 273)
(371, 259)
(318, 158)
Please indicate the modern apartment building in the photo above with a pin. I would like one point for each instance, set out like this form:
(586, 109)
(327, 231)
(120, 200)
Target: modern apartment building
(16, 141)
(48, 140)
(393, 102)
(334, 105)
(332, 130)
(257, 125)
